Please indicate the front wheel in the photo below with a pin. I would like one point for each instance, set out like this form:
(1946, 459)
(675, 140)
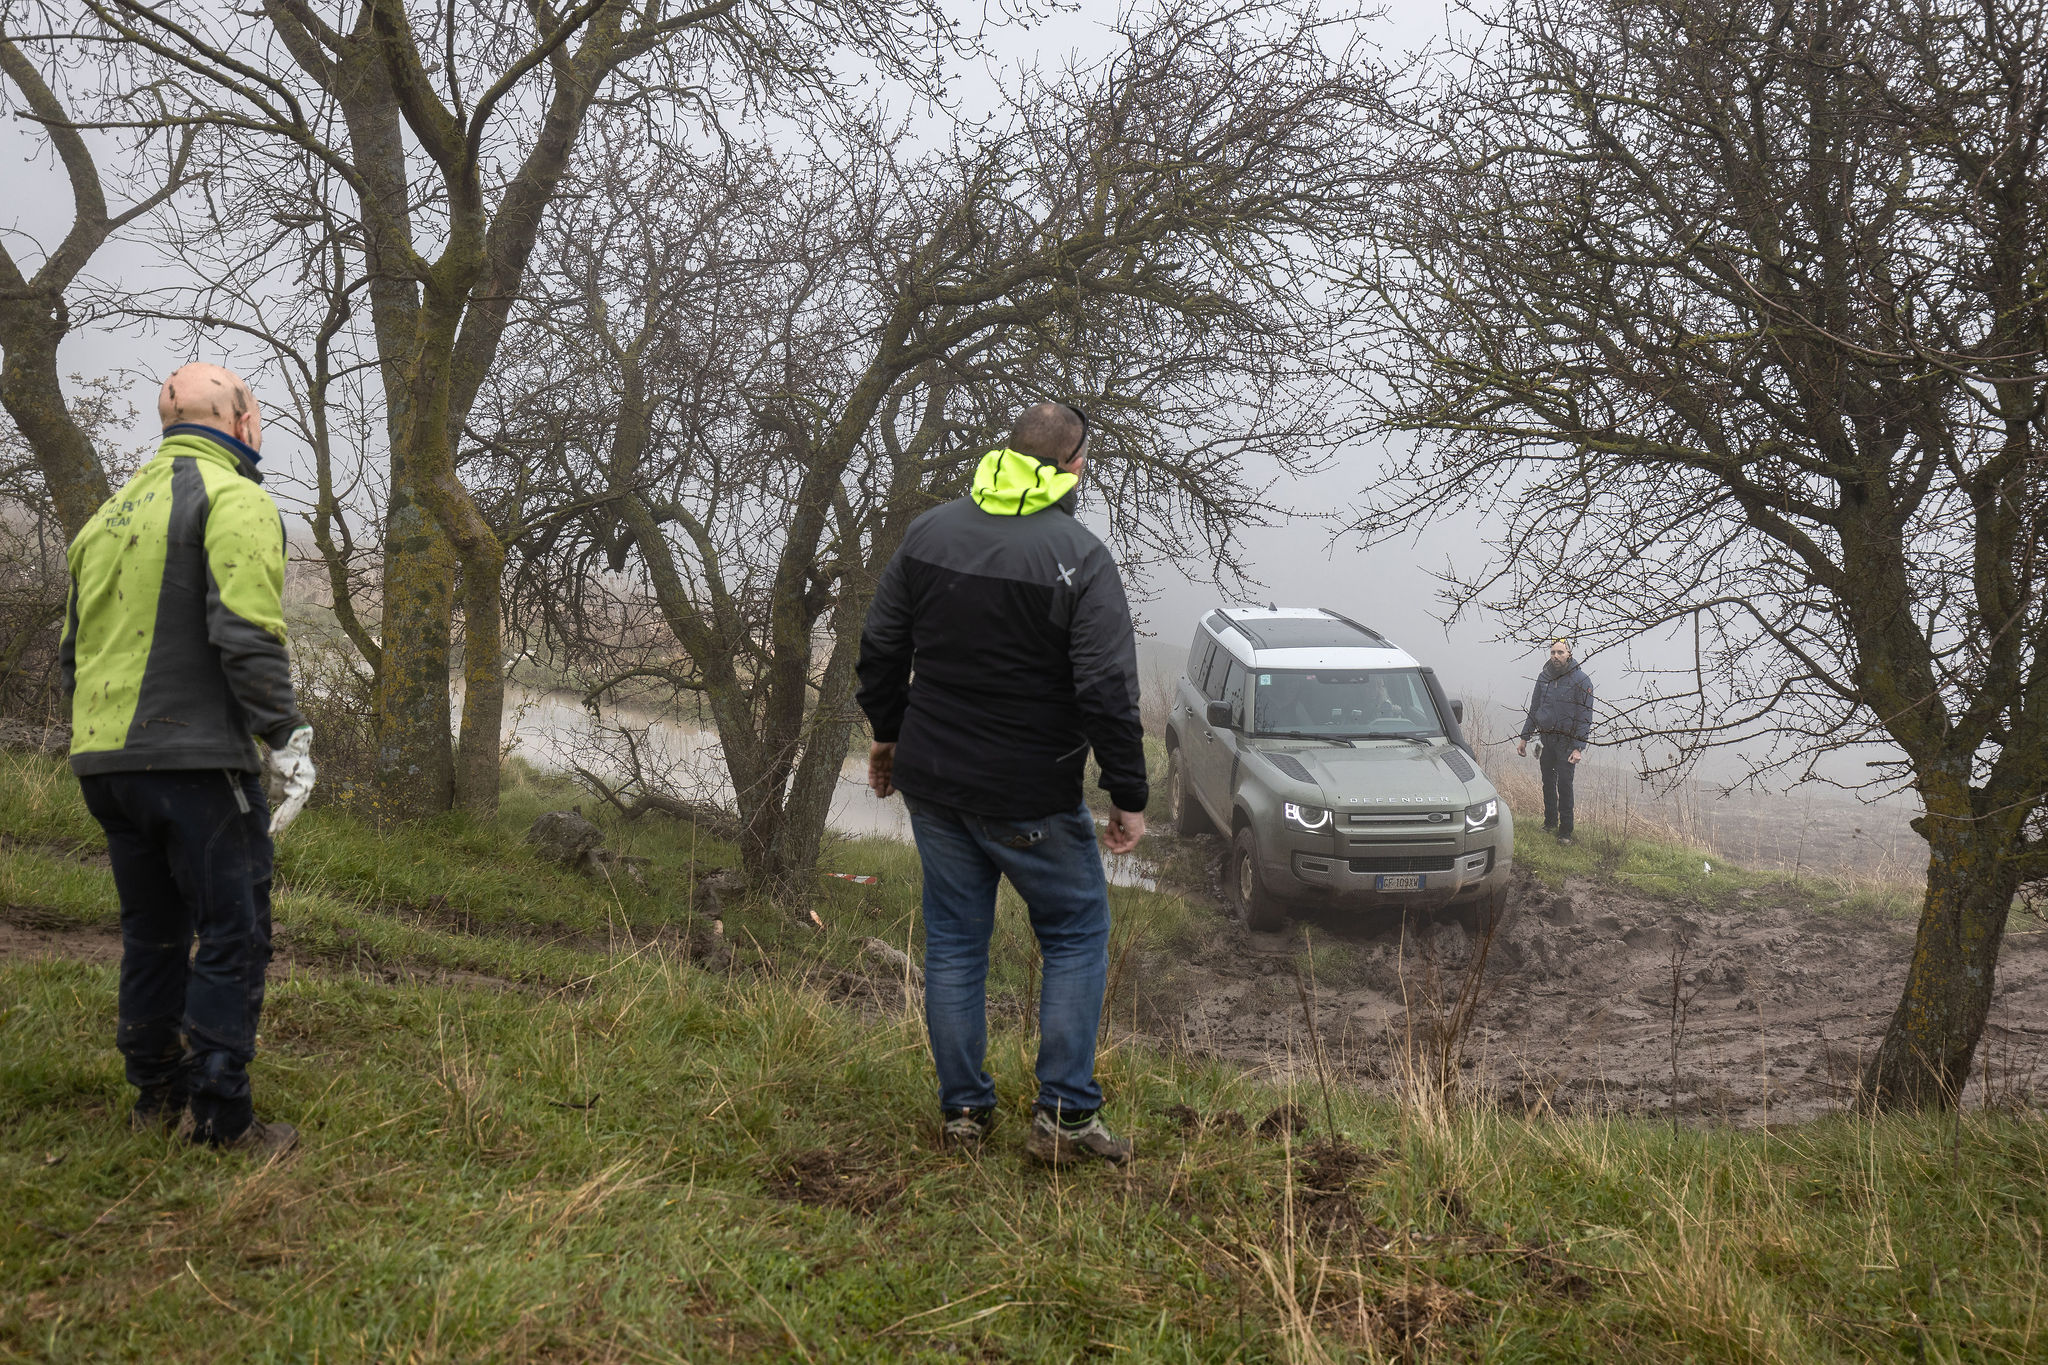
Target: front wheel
(1184, 811)
(1486, 917)
(1250, 901)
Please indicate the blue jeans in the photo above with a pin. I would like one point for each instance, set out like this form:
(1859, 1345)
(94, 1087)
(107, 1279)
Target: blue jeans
(1053, 863)
(190, 862)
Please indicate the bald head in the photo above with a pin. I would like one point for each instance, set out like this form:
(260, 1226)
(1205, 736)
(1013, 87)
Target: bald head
(212, 396)
(1050, 432)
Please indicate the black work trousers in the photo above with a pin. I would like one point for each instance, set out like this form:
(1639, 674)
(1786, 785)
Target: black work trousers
(191, 856)
(1554, 757)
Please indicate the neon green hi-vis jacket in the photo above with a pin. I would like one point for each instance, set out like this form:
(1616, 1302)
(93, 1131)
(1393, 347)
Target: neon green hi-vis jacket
(174, 649)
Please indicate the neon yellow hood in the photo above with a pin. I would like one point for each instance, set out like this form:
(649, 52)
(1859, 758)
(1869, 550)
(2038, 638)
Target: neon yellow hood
(1011, 485)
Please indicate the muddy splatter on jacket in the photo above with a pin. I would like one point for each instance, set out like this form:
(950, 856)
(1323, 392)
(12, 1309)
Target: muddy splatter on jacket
(174, 642)
(1012, 617)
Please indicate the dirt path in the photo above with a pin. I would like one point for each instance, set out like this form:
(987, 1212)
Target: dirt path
(1575, 1011)
(28, 933)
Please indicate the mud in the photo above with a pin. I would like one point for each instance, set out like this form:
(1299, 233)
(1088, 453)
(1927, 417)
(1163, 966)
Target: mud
(1570, 1006)
(31, 933)
(830, 1179)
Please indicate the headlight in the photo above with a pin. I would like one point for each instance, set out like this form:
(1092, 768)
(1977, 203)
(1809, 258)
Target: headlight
(1310, 818)
(1485, 815)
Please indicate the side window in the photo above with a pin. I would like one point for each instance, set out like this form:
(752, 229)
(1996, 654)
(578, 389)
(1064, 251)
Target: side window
(1219, 663)
(1198, 657)
(1233, 692)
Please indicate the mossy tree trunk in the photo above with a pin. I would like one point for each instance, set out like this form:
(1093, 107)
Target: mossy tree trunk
(439, 323)
(1924, 1060)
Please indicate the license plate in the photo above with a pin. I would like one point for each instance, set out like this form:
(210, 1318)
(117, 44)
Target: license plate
(1400, 881)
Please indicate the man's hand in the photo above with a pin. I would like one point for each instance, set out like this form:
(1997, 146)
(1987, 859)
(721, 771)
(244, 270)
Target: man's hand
(882, 769)
(294, 766)
(1575, 754)
(1124, 830)
(1521, 748)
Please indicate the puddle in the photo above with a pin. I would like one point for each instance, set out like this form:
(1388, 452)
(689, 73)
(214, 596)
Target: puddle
(544, 728)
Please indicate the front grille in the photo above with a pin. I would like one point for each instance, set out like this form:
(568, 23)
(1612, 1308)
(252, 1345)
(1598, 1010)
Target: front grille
(1401, 864)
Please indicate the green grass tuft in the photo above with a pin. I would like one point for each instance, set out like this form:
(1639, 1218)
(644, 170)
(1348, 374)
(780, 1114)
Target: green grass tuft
(524, 1149)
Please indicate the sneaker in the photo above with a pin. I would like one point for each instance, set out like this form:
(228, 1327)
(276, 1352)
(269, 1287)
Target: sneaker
(967, 1128)
(1564, 836)
(261, 1139)
(1054, 1140)
(1551, 823)
(160, 1110)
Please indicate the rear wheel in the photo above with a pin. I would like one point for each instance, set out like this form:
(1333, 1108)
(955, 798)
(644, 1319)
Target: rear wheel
(1250, 901)
(1183, 810)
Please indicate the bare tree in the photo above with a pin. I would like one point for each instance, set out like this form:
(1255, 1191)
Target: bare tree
(36, 305)
(1733, 312)
(766, 373)
(451, 127)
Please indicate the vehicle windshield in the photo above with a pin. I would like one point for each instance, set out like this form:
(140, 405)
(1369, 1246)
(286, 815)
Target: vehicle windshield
(1392, 703)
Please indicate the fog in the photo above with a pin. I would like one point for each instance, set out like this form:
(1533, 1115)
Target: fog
(1303, 561)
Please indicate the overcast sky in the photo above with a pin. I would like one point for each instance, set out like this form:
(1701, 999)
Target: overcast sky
(1392, 588)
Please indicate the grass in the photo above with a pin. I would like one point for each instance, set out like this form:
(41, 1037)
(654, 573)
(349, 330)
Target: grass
(1610, 845)
(593, 1150)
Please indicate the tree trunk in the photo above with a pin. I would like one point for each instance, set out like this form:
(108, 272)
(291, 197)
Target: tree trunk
(1924, 1059)
(809, 805)
(34, 398)
(415, 759)
(483, 689)
(759, 777)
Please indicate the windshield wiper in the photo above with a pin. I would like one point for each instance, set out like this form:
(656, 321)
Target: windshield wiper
(1344, 740)
(1424, 740)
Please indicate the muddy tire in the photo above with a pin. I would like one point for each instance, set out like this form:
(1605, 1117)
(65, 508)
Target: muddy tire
(1253, 905)
(1184, 813)
(1486, 916)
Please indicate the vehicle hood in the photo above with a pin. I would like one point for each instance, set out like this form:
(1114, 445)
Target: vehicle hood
(1393, 775)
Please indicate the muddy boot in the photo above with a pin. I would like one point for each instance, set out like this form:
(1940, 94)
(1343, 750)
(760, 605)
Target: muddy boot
(160, 1109)
(1074, 1138)
(965, 1129)
(261, 1140)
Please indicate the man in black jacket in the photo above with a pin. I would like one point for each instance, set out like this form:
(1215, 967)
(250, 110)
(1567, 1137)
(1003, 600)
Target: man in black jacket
(1013, 618)
(1561, 712)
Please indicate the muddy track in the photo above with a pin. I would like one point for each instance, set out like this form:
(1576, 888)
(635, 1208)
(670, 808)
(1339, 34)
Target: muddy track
(1572, 1008)
(28, 932)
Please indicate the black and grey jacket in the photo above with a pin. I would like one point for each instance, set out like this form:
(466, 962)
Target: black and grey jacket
(1561, 705)
(999, 649)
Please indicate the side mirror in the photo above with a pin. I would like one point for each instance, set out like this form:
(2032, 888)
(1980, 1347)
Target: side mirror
(1458, 712)
(1218, 714)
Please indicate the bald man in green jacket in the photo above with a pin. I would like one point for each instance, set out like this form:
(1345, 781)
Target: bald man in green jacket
(174, 659)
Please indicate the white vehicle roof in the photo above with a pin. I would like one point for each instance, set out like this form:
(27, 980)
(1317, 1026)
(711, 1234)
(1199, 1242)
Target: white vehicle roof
(1303, 637)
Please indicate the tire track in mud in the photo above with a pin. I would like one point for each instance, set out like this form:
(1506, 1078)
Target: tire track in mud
(1778, 1005)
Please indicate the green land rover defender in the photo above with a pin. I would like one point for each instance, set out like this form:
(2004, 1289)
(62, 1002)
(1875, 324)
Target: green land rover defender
(1337, 769)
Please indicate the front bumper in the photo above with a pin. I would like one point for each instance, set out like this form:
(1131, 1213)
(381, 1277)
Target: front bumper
(1391, 863)
(1399, 880)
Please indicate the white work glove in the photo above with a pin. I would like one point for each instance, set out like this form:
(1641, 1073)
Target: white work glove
(293, 765)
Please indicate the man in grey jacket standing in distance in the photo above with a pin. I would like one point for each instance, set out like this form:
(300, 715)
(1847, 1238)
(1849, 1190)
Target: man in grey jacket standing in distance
(1011, 616)
(1561, 715)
